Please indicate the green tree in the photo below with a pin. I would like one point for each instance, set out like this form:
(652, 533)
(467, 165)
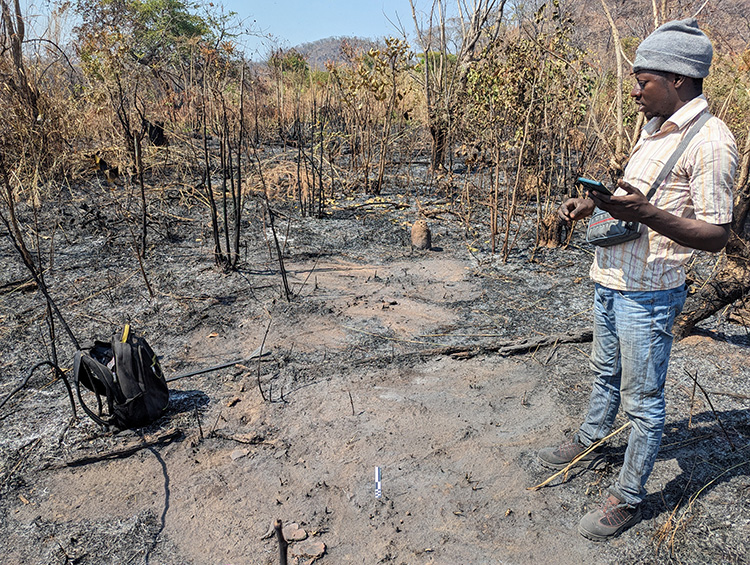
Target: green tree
(148, 30)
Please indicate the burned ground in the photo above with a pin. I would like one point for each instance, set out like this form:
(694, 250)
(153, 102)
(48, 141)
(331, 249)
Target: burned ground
(355, 379)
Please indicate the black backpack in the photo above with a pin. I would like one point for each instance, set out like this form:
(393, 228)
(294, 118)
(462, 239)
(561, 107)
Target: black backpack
(126, 371)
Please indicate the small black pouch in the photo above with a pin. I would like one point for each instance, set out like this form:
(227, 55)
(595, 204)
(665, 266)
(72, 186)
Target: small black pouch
(604, 230)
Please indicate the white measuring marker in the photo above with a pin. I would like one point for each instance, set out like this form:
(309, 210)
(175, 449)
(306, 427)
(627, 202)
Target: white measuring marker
(378, 483)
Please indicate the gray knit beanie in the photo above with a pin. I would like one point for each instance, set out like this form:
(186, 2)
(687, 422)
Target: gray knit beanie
(678, 47)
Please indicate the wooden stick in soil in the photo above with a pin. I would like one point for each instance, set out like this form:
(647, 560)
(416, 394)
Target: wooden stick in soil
(140, 255)
(225, 158)
(237, 196)
(198, 420)
(272, 224)
(311, 201)
(218, 255)
(283, 544)
(570, 465)
(55, 362)
(692, 403)
(144, 205)
(710, 404)
(50, 317)
(260, 356)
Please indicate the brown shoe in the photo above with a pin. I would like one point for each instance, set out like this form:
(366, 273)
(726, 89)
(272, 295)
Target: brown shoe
(609, 520)
(560, 456)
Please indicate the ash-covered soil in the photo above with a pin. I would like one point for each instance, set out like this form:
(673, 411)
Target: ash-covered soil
(355, 380)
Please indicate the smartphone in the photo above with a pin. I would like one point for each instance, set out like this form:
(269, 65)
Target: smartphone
(589, 184)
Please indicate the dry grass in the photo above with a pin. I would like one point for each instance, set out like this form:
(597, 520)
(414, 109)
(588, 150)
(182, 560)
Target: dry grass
(680, 517)
(286, 180)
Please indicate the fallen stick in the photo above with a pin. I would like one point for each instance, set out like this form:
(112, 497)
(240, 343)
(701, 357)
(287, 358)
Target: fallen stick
(695, 496)
(21, 459)
(570, 465)
(22, 285)
(206, 370)
(258, 353)
(524, 345)
(438, 213)
(243, 439)
(504, 348)
(730, 394)
(128, 450)
(396, 205)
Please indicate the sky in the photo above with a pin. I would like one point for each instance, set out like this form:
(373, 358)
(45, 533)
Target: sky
(292, 22)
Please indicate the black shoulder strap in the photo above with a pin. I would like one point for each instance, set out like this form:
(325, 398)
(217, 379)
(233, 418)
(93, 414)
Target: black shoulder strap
(669, 165)
(94, 376)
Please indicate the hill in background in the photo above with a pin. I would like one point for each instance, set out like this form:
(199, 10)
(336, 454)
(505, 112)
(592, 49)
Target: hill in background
(318, 53)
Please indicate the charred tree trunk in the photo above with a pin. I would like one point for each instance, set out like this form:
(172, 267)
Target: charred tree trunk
(439, 133)
(550, 231)
(728, 286)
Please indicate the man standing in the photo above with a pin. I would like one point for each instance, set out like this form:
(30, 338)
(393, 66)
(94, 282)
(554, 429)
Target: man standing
(640, 284)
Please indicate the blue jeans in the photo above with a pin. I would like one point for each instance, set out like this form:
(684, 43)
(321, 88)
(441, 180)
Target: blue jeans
(629, 356)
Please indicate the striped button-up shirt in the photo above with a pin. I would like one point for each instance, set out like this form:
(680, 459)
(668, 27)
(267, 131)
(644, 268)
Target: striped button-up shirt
(699, 186)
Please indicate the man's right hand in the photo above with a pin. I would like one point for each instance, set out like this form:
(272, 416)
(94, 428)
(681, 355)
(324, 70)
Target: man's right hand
(575, 209)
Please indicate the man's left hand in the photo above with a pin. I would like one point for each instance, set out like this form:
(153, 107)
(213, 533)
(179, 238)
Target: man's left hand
(630, 207)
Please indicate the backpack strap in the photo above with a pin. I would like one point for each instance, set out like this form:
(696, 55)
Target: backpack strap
(669, 165)
(127, 364)
(94, 376)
